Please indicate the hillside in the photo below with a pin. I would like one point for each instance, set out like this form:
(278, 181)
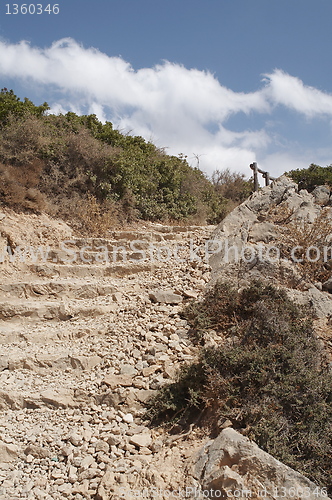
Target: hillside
(85, 172)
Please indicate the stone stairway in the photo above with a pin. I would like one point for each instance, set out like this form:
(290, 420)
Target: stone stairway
(82, 278)
(77, 336)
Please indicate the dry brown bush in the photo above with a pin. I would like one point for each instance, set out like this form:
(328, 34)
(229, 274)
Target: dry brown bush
(232, 185)
(22, 140)
(19, 186)
(94, 218)
(84, 149)
(77, 165)
(305, 237)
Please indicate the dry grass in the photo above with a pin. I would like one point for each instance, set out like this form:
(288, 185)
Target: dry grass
(306, 244)
(96, 219)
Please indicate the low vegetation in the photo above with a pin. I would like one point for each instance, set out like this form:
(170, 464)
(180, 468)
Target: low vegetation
(311, 177)
(267, 375)
(57, 163)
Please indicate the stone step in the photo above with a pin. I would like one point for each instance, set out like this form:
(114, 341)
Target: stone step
(52, 398)
(85, 256)
(32, 331)
(159, 228)
(116, 239)
(83, 271)
(141, 242)
(56, 289)
(157, 234)
(49, 361)
(90, 251)
(119, 236)
(13, 309)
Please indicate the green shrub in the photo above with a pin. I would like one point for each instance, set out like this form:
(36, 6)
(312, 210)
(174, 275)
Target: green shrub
(11, 105)
(268, 375)
(314, 175)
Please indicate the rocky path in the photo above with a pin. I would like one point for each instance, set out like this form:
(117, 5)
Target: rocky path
(84, 343)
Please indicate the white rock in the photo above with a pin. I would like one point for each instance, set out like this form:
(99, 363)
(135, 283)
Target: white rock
(141, 440)
(128, 418)
(75, 439)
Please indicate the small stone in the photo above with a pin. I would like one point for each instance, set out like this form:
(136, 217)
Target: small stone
(129, 370)
(223, 424)
(65, 489)
(72, 474)
(56, 474)
(157, 445)
(128, 418)
(114, 440)
(145, 451)
(150, 370)
(190, 294)
(144, 395)
(143, 440)
(85, 362)
(75, 439)
(86, 462)
(102, 446)
(39, 494)
(61, 398)
(87, 435)
(28, 486)
(165, 297)
(170, 371)
(8, 452)
(90, 473)
(114, 381)
(37, 451)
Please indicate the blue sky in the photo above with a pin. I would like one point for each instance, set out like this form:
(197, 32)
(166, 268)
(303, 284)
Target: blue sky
(227, 82)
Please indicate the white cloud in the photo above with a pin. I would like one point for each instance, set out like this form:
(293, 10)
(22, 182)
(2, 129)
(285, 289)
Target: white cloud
(281, 162)
(290, 91)
(183, 110)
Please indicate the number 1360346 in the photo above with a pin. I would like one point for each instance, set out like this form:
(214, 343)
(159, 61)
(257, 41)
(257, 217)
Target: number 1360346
(32, 8)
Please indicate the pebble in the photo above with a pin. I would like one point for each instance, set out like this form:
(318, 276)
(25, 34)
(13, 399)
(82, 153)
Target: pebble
(128, 418)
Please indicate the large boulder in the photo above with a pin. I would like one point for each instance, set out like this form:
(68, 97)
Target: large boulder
(232, 466)
(322, 195)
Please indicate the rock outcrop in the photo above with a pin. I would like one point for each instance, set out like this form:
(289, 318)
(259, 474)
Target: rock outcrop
(257, 240)
(232, 466)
